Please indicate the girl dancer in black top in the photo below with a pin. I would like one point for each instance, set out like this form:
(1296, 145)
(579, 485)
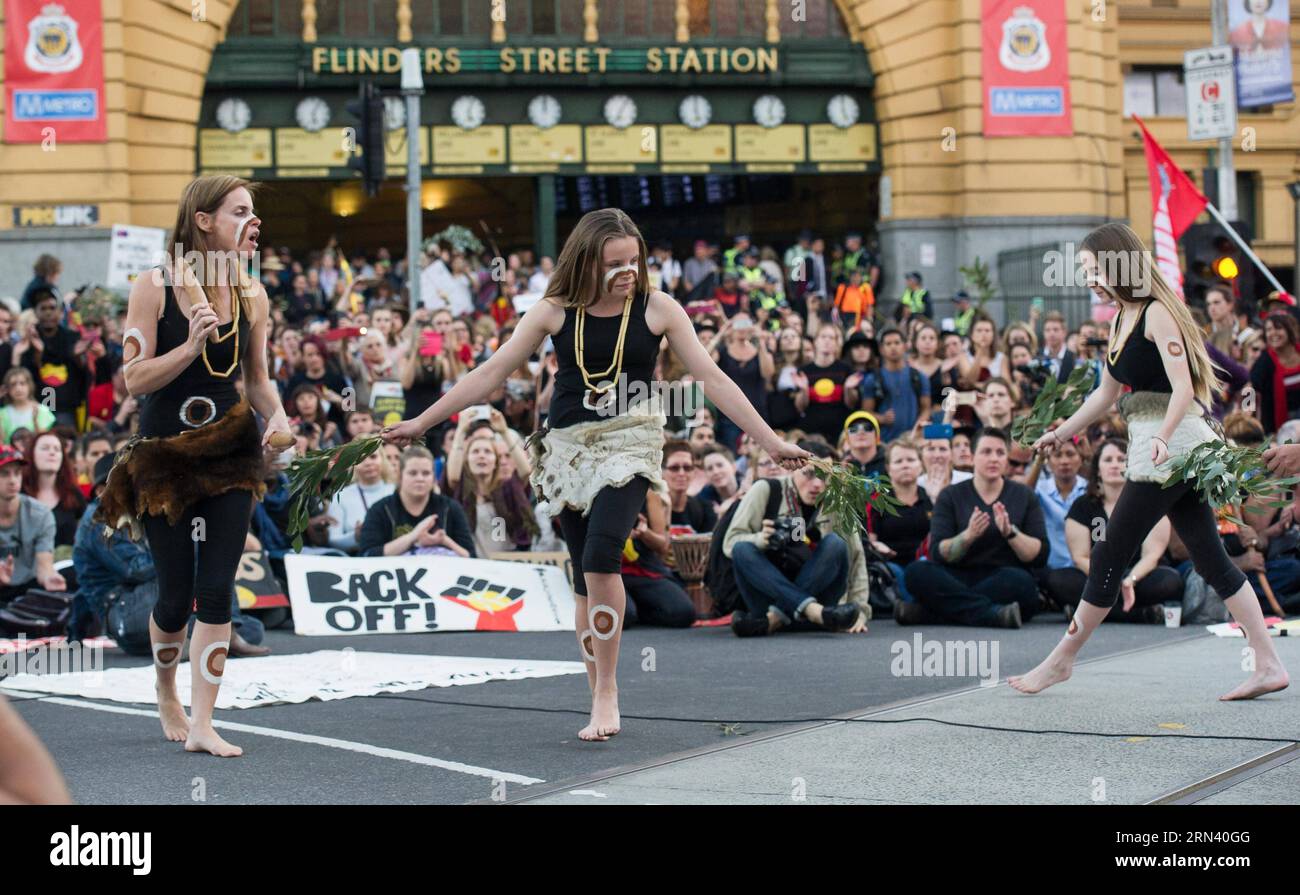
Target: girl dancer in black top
(1157, 350)
(603, 446)
(189, 478)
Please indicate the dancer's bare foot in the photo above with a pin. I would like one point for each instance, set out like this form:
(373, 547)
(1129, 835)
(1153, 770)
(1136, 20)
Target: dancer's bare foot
(1049, 671)
(1269, 679)
(605, 721)
(206, 740)
(175, 723)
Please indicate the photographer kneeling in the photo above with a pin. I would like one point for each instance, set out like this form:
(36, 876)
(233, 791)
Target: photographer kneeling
(789, 564)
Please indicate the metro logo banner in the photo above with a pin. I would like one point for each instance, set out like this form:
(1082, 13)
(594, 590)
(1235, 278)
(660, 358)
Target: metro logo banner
(1026, 68)
(54, 71)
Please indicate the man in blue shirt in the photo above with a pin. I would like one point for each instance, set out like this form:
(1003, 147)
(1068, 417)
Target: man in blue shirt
(901, 398)
(1056, 492)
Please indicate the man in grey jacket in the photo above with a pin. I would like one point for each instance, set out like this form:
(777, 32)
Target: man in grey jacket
(791, 568)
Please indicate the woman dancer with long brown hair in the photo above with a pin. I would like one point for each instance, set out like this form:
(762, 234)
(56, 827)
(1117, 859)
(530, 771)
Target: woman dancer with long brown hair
(602, 448)
(1158, 351)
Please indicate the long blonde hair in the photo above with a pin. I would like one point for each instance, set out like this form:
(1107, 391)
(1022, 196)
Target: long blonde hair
(205, 194)
(1118, 249)
(576, 280)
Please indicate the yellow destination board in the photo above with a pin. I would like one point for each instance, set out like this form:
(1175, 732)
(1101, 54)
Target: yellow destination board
(783, 143)
(485, 145)
(532, 145)
(828, 143)
(297, 148)
(612, 145)
(250, 148)
(395, 148)
(708, 144)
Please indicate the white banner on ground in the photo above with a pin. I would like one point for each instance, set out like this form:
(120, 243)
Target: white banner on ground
(417, 594)
(324, 675)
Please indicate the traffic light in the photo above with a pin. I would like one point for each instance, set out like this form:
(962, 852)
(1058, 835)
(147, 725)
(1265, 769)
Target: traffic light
(368, 149)
(1213, 257)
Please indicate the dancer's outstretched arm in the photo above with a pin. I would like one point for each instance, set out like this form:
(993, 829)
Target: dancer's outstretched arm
(541, 320)
(666, 315)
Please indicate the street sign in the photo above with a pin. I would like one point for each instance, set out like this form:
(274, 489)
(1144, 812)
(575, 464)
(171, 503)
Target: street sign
(1211, 93)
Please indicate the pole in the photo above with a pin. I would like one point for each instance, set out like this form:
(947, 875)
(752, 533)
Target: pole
(1227, 176)
(1241, 243)
(412, 90)
(1295, 195)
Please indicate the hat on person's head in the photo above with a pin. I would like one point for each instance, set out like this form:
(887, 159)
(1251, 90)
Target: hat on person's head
(962, 295)
(10, 454)
(914, 275)
(858, 338)
(751, 253)
(1285, 298)
(863, 415)
(740, 236)
(102, 467)
(272, 264)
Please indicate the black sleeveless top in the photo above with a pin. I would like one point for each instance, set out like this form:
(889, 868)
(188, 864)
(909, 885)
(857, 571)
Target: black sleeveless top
(1139, 364)
(161, 410)
(600, 334)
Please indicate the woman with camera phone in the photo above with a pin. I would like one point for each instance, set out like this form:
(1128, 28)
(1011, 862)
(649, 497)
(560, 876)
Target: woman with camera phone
(602, 449)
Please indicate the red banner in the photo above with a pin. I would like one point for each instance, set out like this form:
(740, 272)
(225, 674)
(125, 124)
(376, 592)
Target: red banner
(54, 71)
(1026, 68)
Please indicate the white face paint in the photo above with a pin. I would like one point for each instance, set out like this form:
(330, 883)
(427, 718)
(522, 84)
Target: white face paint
(618, 272)
(242, 229)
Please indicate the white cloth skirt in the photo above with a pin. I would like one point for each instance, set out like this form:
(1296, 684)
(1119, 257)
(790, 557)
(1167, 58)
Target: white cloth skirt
(1144, 414)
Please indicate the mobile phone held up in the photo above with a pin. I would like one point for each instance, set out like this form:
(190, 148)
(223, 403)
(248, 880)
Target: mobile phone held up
(430, 343)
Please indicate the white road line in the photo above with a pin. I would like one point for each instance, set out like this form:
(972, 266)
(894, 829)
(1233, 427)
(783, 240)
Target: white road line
(346, 745)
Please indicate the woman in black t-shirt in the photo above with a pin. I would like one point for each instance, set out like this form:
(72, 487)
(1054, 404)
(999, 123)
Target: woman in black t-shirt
(821, 396)
(898, 538)
(415, 520)
(1147, 585)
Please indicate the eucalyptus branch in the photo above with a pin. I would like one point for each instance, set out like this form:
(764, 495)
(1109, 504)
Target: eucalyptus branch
(847, 496)
(1054, 402)
(323, 474)
(1227, 475)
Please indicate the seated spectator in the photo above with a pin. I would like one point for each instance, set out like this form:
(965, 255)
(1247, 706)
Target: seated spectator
(1056, 493)
(1147, 585)
(90, 448)
(50, 479)
(1275, 374)
(821, 397)
(495, 500)
(686, 511)
(760, 465)
(655, 595)
(305, 404)
(995, 404)
(963, 449)
(359, 423)
(980, 572)
(936, 456)
(860, 444)
(20, 411)
(26, 535)
(105, 564)
(897, 539)
(319, 369)
(372, 481)
(466, 426)
(804, 576)
(724, 486)
(415, 520)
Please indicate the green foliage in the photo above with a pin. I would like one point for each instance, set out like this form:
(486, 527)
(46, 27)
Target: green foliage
(1054, 402)
(1227, 475)
(847, 495)
(323, 473)
(980, 280)
(461, 239)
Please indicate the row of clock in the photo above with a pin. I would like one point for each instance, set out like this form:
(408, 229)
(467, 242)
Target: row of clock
(544, 111)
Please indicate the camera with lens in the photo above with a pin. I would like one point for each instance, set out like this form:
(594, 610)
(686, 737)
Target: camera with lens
(784, 534)
(1037, 370)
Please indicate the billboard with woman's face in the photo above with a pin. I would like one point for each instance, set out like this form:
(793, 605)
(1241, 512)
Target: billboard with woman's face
(1260, 32)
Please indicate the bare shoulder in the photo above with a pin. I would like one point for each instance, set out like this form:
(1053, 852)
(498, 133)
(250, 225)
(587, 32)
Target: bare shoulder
(146, 296)
(1159, 320)
(661, 311)
(547, 315)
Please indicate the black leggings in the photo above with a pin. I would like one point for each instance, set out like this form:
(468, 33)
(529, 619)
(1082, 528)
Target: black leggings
(596, 541)
(209, 582)
(1139, 508)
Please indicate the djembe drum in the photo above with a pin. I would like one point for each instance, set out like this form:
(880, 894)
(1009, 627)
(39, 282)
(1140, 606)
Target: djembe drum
(691, 555)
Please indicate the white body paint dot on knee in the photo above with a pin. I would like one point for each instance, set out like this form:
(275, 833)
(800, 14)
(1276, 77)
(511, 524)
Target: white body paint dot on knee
(212, 662)
(604, 621)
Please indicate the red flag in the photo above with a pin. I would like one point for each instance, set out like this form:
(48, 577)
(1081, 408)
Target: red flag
(1167, 180)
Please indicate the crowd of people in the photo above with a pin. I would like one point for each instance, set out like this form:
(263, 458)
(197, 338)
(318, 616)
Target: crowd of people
(821, 354)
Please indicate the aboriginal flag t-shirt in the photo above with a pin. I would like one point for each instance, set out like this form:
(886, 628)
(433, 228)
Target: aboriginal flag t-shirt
(826, 411)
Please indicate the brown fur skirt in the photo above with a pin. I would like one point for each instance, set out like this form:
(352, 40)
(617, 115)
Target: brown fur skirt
(163, 476)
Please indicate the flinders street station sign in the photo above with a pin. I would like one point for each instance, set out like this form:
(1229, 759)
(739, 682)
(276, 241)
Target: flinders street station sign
(564, 60)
